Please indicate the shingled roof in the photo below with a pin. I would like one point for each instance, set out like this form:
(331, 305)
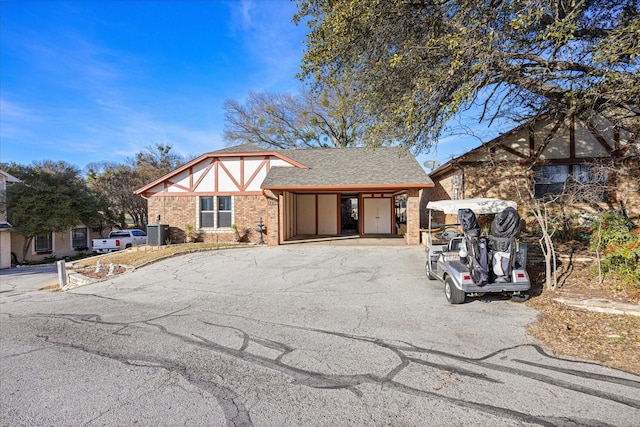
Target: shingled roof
(249, 147)
(388, 167)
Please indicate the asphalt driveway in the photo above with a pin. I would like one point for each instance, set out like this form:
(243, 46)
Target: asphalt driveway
(296, 335)
(19, 280)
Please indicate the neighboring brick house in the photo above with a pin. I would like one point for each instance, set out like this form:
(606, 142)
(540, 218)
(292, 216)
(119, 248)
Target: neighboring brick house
(299, 194)
(5, 227)
(543, 155)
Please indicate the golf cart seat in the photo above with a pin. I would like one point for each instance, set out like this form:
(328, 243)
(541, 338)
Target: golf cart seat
(454, 244)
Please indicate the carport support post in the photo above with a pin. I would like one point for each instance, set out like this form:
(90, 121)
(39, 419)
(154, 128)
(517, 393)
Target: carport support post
(62, 273)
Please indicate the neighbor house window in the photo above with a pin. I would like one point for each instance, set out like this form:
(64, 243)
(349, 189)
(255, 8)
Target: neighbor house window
(215, 212)
(43, 243)
(79, 238)
(557, 179)
(550, 179)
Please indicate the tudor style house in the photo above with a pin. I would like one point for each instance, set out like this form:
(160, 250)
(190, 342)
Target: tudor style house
(298, 193)
(543, 155)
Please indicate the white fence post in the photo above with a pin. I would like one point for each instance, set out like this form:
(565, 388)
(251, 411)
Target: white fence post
(62, 273)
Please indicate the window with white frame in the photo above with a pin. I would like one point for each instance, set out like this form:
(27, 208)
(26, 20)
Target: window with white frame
(79, 238)
(43, 243)
(224, 212)
(206, 212)
(216, 212)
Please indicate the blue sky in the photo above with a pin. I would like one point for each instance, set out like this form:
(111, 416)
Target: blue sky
(86, 81)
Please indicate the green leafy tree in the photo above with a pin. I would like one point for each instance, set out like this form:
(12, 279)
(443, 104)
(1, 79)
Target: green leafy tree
(156, 161)
(617, 248)
(415, 64)
(116, 183)
(52, 197)
(295, 121)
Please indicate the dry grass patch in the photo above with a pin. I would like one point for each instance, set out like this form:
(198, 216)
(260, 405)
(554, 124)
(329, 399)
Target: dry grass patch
(143, 255)
(52, 287)
(610, 339)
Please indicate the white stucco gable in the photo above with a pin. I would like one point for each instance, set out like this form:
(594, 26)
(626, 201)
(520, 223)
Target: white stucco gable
(220, 173)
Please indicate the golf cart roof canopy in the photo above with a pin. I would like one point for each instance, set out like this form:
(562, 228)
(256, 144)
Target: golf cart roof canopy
(478, 206)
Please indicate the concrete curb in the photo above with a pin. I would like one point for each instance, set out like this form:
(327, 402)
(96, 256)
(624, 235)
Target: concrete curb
(602, 306)
(75, 279)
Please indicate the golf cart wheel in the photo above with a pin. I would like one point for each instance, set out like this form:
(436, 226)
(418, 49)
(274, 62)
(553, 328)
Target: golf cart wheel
(427, 267)
(519, 297)
(453, 294)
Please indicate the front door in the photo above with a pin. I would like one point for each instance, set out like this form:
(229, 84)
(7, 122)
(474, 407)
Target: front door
(349, 214)
(377, 216)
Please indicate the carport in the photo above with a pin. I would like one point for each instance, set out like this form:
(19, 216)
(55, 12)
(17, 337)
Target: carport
(339, 214)
(348, 193)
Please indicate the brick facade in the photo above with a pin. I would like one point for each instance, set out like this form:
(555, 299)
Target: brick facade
(272, 219)
(443, 190)
(247, 211)
(503, 167)
(510, 181)
(413, 217)
(628, 187)
(180, 211)
(177, 211)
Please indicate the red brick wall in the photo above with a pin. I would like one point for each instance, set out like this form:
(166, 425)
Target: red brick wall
(443, 190)
(271, 220)
(178, 211)
(413, 217)
(628, 190)
(504, 181)
(508, 181)
(247, 211)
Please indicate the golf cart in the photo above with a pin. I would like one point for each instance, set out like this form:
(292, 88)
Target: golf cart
(470, 264)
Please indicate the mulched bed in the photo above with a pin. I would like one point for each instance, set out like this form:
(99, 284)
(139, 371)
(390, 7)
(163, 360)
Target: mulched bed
(104, 272)
(613, 340)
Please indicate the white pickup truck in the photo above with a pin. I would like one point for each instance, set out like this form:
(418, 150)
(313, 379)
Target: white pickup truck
(117, 240)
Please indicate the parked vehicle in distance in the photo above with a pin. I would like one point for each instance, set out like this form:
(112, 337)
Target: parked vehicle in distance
(470, 264)
(117, 240)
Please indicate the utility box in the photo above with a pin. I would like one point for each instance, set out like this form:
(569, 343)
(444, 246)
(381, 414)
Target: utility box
(157, 234)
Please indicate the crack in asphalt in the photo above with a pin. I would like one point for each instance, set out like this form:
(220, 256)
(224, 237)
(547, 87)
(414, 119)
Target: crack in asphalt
(236, 414)
(583, 374)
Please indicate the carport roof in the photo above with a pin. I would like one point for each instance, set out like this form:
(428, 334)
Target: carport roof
(355, 168)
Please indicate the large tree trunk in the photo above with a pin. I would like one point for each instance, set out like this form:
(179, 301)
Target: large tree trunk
(25, 248)
(549, 252)
(541, 214)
